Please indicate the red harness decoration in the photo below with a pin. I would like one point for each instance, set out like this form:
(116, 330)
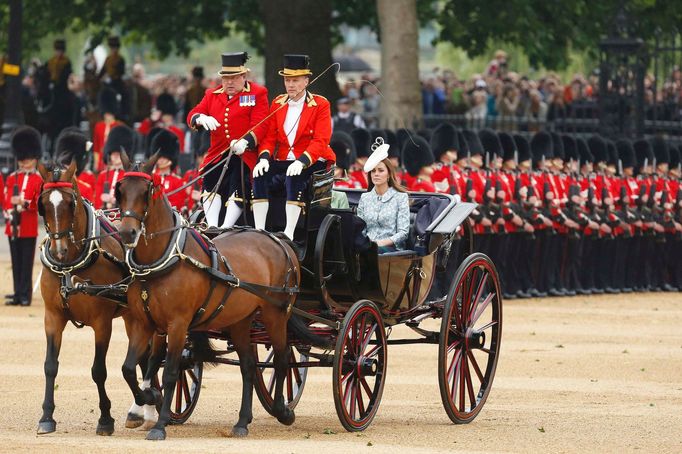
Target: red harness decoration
(155, 179)
(57, 185)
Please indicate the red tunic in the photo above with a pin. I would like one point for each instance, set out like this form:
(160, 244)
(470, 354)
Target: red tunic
(110, 177)
(29, 185)
(359, 176)
(99, 138)
(420, 185)
(189, 176)
(236, 116)
(169, 182)
(86, 185)
(312, 134)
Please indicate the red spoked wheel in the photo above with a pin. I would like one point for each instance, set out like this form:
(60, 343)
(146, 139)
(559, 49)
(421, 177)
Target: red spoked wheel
(359, 366)
(470, 335)
(187, 388)
(294, 382)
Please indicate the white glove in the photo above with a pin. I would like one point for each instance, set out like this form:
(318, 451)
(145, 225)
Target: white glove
(207, 122)
(261, 168)
(239, 146)
(295, 168)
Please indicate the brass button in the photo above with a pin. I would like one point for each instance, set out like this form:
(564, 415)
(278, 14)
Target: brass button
(227, 109)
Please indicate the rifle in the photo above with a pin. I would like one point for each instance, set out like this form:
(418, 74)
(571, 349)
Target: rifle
(16, 214)
(105, 190)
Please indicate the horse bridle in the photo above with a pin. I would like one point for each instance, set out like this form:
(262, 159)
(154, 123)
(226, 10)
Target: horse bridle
(150, 192)
(69, 231)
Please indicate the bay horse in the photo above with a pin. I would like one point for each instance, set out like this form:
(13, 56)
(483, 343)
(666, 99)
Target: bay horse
(71, 253)
(186, 283)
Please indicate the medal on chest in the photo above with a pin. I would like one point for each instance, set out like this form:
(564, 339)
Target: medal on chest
(247, 100)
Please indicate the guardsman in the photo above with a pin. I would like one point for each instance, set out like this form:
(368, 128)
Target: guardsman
(296, 144)
(21, 212)
(114, 67)
(201, 142)
(234, 114)
(444, 145)
(166, 144)
(363, 141)
(163, 116)
(73, 145)
(419, 161)
(110, 107)
(344, 149)
(120, 139)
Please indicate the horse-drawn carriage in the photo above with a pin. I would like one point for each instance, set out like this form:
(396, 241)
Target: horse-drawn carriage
(350, 296)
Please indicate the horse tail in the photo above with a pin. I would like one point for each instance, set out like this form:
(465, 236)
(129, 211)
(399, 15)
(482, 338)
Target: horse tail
(202, 348)
(300, 329)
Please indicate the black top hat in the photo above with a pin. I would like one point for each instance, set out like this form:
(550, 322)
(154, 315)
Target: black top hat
(26, 144)
(541, 145)
(234, 64)
(362, 141)
(166, 104)
(344, 149)
(570, 148)
(598, 148)
(626, 153)
(643, 152)
(121, 138)
(109, 101)
(113, 41)
(523, 147)
(296, 65)
(417, 155)
(660, 148)
(198, 72)
(444, 138)
(72, 145)
(474, 143)
(167, 145)
(508, 146)
(584, 150)
(59, 44)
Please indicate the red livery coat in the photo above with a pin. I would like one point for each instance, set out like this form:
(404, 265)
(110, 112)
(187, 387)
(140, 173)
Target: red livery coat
(29, 185)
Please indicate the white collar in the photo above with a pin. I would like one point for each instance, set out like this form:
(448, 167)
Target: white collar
(299, 102)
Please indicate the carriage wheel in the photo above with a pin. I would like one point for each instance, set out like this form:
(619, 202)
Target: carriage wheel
(470, 338)
(187, 388)
(294, 382)
(359, 366)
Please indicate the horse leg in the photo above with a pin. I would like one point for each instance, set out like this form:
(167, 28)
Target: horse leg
(240, 333)
(176, 342)
(54, 327)
(158, 349)
(138, 342)
(135, 416)
(275, 321)
(105, 425)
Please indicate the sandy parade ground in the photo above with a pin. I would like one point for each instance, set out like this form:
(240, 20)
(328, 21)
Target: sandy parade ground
(581, 374)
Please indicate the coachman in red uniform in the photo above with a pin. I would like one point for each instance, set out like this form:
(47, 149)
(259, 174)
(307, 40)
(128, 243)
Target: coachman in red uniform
(21, 212)
(229, 112)
(73, 145)
(296, 143)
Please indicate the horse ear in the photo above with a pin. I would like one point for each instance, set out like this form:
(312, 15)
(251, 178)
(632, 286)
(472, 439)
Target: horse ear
(70, 171)
(125, 159)
(149, 165)
(42, 170)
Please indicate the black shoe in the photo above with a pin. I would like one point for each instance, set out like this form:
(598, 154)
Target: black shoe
(626, 290)
(556, 292)
(533, 292)
(570, 293)
(611, 290)
(541, 295)
(669, 288)
(656, 289)
(509, 296)
(584, 291)
(522, 294)
(11, 302)
(25, 302)
(597, 291)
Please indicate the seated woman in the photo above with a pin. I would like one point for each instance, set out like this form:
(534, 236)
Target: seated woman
(385, 208)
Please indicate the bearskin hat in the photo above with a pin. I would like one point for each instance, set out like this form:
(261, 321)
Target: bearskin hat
(148, 149)
(392, 140)
(570, 148)
(643, 152)
(26, 143)
(463, 146)
(612, 158)
(626, 153)
(660, 148)
(674, 156)
(491, 143)
(444, 139)
(426, 133)
(109, 101)
(557, 146)
(72, 145)
(541, 145)
(416, 155)
(474, 143)
(403, 136)
(363, 142)
(508, 146)
(166, 104)
(584, 150)
(344, 149)
(120, 138)
(523, 147)
(167, 145)
(598, 148)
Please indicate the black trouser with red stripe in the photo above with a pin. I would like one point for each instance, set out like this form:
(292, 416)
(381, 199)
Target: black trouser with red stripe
(22, 251)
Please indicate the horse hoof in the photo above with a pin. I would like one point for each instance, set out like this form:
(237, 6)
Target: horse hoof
(156, 434)
(134, 421)
(46, 427)
(105, 428)
(287, 418)
(240, 432)
(148, 424)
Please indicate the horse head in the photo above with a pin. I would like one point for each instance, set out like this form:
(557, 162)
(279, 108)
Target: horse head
(134, 194)
(57, 205)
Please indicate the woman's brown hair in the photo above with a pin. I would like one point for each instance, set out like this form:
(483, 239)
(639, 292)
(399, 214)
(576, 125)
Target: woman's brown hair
(392, 179)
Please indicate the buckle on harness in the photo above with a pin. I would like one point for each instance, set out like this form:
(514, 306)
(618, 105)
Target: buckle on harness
(234, 285)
